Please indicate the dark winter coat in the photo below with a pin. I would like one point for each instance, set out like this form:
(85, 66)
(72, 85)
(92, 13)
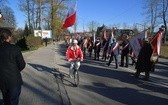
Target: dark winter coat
(125, 47)
(11, 64)
(143, 62)
(97, 46)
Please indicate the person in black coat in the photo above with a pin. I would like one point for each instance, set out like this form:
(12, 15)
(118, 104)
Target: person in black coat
(144, 63)
(90, 47)
(11, 64)
(125, 51)
(97, 47)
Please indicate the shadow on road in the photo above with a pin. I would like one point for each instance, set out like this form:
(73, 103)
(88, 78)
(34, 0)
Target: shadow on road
(143, 95)
(127, 96)
(1, 101)
(121, 94)
(38, 87)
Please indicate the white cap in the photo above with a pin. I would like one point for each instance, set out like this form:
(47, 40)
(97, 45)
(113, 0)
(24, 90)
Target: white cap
(75, 41)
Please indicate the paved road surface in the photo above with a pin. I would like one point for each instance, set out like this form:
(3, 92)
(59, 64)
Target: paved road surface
(46, 82)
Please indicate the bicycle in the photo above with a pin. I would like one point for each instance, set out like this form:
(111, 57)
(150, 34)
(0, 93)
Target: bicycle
(76, 77)
(75, 66)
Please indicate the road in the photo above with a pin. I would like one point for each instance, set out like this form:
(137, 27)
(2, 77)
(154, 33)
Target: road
(46, 82)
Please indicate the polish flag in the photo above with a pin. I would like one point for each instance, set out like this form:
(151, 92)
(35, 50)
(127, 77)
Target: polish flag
(104, 37)
(156, 43)
(71, 17)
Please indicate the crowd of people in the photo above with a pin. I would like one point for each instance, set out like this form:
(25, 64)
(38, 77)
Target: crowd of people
(106, 49)
(12, 61)
(109, 49)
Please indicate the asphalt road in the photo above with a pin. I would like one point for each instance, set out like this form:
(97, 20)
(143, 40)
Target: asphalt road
(102, 85)
(46, 82)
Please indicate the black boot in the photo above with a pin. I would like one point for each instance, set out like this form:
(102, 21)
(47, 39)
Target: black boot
(107, 64)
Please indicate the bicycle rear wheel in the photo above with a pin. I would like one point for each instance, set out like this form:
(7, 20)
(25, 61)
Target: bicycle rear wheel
(76, 78)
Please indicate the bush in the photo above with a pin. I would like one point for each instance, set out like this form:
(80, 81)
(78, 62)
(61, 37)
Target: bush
(33, 42)
(22, 44)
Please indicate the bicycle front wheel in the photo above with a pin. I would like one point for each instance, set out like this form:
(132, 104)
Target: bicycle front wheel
(76, 78)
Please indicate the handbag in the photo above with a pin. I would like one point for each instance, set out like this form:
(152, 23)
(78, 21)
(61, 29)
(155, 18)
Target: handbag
(154, 58)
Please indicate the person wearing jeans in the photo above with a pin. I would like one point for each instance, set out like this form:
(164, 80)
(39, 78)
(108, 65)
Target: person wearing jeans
(114, 53)
(11, 64)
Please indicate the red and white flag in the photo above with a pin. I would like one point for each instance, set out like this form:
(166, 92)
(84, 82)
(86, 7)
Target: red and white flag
(104, 36)
(71, 17)
(156, 43)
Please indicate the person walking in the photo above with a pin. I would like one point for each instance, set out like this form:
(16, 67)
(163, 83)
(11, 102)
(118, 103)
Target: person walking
(97, 47)
(105, 50)
(90, 46)
(85, 43)
(46, 41)
(125, 51)
(114, 53)
(144, 64)
(74, 54)
(11, 64)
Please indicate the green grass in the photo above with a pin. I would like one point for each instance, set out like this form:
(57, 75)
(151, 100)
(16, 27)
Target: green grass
(164, 51)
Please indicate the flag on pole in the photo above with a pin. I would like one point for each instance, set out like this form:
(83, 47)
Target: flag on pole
(104, 36)
(111, 38)
(136, 42)
(71, 17)
(156, 43)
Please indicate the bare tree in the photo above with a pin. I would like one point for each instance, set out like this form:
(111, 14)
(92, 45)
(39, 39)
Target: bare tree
(157, 14)
(9, 16)
(152, 13)
(24, 6)
(33, 11)
(56, 11)
(125, 26)
(44, 13)
(92, 26)
(164, 16)
(3, 3)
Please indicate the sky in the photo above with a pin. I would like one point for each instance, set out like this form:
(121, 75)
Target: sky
(107, 12)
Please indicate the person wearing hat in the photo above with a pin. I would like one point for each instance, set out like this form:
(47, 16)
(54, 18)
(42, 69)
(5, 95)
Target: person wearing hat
(11, 64)
(74, 54)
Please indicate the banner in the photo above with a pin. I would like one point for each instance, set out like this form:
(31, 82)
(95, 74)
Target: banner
(136, 42)
(43, 33)
(156, 43)
(71, 17)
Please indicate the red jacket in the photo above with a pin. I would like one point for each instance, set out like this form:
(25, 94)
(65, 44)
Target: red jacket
(72, 54)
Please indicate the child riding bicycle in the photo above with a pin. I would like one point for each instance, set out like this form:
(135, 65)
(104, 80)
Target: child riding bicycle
(74, 55)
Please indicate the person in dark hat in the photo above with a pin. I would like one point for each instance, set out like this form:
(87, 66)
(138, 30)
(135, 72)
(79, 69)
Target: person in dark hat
(11, 64)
